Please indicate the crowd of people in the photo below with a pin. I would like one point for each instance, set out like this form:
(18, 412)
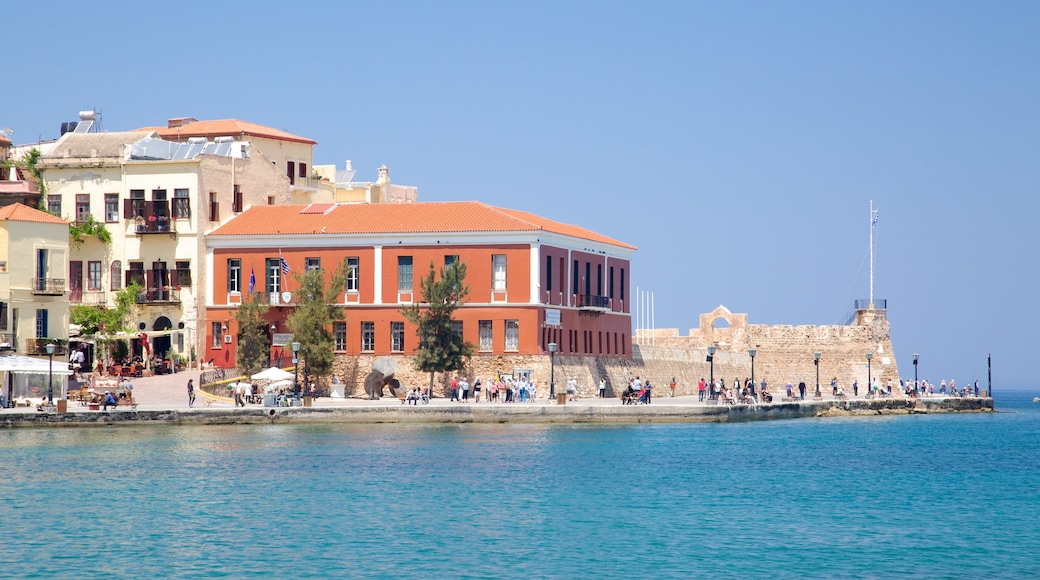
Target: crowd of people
(497, 389)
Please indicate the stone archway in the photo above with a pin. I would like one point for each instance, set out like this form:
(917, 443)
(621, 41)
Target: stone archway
(735, 334)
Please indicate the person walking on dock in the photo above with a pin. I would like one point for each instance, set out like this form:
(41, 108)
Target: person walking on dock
(191, 393)
(801, 389)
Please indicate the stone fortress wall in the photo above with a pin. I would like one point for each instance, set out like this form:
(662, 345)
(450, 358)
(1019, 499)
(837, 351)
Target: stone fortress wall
(784, 353)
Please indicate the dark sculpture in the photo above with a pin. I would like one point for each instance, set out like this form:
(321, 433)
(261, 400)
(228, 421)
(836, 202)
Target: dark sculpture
(375, 381)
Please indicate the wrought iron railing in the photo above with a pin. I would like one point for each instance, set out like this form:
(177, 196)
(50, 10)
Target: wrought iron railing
(593, 301)
(159, 295)
(38, 346)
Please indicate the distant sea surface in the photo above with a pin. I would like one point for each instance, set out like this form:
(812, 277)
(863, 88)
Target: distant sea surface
(954, 496)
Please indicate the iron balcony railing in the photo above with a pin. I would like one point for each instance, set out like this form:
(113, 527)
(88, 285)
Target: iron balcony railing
(593, 301)
(159, 296)
(38, 346)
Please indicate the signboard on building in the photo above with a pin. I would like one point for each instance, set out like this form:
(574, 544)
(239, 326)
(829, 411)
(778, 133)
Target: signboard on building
(552, 317)
(281, 338)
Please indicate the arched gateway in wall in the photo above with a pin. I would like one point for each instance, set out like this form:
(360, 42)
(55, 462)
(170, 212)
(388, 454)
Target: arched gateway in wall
(737, 330)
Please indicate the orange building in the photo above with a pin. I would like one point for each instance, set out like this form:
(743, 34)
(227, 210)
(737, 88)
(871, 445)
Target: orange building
(532, 280)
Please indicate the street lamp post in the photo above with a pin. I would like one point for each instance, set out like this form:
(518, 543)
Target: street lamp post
(552, 370)
(50, 373)
(870, 384)
(296, 368)
(752, 352)
(274, 328)
(711, 359)
(816, 361)
(915, 371)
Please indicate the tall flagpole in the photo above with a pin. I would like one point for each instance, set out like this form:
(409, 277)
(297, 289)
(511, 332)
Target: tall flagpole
(873, 222)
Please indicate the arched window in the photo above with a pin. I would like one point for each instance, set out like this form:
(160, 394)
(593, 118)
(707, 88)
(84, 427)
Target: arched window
(117, 275)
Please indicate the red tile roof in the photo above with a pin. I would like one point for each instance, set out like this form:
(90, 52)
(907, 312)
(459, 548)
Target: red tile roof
(398, 218)
(226, 128)
(23, 213)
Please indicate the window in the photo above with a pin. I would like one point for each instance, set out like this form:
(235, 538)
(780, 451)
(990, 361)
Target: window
(610, 281)
(181, 204)
(234, 275)
(273, 282)
(135, 274)
(312, 264)
(456, 328)
(622, 283)
(588, 278)
(397, 336)
(82, 207)
(339, 335)
(290, 170)
(218, 339)
(159, 195)
(486, 336)
(368, 336)
(548, 273)
(182, 275)
(599, 279)
(115, 275)
(270, 200)
(111, 207)
(574, 279)
(498, 273)
(352, 274)
(54, 204)
(303, 170)
(214, 207)
(404, 273)
(41, 323)
(512, 335)
(93, 275)
(136, 203)
(451, 260)
(3, 316)
(236, 199)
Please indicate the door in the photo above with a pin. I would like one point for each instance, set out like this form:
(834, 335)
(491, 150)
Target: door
(76, 281)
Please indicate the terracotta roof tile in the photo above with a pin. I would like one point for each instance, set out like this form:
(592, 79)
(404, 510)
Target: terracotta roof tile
(226, 128)
(23, 213)
(404, 218)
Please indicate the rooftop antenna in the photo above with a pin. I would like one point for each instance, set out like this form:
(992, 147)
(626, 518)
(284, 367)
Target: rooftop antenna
(873, 225)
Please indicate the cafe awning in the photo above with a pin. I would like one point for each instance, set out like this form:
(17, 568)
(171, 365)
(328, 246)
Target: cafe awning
(16, 363)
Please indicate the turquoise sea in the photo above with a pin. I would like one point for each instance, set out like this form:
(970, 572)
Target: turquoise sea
(951, 496)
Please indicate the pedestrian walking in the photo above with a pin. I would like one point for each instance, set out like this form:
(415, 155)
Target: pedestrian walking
(602, 387)
(191, 393)
(672, 387)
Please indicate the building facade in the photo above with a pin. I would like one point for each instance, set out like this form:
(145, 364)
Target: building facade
(157, 199)
(34, 257)
(532, 281)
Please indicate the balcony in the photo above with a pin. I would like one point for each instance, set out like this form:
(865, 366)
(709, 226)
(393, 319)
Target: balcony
(48, 286)
(593, 302)
(38, 346)
(155, 225)
(167, 295)
(149, 217)
(88, 297)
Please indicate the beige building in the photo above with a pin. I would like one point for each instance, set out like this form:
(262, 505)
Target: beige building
(34, 257)
(349, 190)
(157, 198)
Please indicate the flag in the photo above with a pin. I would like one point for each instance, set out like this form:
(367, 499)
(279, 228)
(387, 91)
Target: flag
(285, 265)
(252, 280)
(874, 223)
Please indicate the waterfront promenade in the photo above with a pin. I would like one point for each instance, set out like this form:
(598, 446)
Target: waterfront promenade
(164, 399)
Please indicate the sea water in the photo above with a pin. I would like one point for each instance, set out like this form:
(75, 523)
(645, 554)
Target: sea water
(902, 496)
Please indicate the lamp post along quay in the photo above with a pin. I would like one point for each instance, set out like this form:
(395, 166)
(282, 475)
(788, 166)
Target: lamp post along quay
(50, 373)
(296, 368)
(870, 384)
(711, 359)
(552, 370)
(816, 361)
(915, 371)
(752, 352)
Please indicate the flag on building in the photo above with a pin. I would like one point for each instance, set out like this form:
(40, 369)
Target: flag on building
(252, 279)
(285, 265)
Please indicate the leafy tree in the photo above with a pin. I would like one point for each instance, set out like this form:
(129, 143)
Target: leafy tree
(315, 312)
(95, 319)
(440, 347)
(253, 344)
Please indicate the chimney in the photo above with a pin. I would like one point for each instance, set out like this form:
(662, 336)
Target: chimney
(384, 175)
(350, 165)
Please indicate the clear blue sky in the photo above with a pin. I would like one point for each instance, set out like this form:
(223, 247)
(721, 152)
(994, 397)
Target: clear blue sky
(738, 144)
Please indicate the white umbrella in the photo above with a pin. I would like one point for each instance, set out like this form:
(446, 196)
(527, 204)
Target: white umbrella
(272, 374)
(280, 384)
